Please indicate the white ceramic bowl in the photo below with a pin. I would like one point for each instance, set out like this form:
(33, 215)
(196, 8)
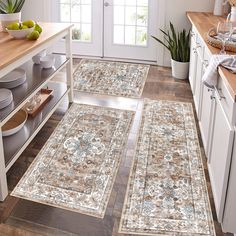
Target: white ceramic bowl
(47, 61)
(20, 34)
(36, 58)
(15, 124)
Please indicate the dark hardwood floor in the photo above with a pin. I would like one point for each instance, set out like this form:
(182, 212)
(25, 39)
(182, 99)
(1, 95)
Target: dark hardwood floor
(25, 218)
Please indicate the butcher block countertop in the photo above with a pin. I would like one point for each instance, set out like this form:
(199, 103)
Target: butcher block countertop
(203, 22)
(13, 49)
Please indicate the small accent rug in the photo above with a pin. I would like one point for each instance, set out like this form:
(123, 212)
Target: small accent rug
(167, 192)
(111, 78)
(77, 167)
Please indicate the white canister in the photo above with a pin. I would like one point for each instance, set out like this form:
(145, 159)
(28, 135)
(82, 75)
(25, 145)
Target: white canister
(218, 9)
(232, 16)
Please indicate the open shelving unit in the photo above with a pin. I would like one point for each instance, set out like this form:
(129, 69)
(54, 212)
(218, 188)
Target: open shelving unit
(18, 53)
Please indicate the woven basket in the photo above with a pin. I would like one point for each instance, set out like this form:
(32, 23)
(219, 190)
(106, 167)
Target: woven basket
(229, 45)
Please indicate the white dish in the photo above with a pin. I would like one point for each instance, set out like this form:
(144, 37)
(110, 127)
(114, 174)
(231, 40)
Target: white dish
(6, 103)
(47, 61)
(5, 98)
(20, 34)
(13, 79)
(36, 58)
(5, 94)
(15, 124)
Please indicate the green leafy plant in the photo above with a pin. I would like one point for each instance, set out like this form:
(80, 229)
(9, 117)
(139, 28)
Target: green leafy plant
(178, 43)
(11, 6)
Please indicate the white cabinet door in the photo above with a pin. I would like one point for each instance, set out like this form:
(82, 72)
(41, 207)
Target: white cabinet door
(198, 87)
(193, 64)
(206, 117)
(206, 112)
(220, 156)
(228, 224)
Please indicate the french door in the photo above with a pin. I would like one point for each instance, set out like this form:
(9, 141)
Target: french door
(87, 17)
(128, 27)
(112, 28)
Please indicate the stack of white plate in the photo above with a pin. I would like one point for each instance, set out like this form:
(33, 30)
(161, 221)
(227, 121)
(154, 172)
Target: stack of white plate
(13, 79)
(5, 98)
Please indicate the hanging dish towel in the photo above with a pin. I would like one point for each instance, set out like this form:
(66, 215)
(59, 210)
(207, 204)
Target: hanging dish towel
(211, 73)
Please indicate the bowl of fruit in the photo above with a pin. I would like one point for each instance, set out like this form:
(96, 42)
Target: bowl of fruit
(27, 29)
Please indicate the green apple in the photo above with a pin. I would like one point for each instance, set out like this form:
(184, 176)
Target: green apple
(14, 26)
(33, 35)
(29, 23)
(24, 27)
(38, 28)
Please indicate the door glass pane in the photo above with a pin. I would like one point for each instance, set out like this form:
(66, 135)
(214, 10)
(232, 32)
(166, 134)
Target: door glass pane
(78, 12)
(119, 34)
(130, 23)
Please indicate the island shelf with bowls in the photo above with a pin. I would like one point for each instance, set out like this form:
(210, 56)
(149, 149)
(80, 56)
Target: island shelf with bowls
(16, 53)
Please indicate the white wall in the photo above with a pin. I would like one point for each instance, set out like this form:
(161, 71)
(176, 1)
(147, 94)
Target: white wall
(175, 11)
(37, 10)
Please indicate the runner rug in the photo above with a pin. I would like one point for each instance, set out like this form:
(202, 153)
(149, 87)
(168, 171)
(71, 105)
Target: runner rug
(167, 192)
(110, 78)
(77, 167)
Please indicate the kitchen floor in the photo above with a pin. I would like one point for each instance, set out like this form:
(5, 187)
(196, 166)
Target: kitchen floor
(20, 217)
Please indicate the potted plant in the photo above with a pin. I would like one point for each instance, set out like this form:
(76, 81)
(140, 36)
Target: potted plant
(10, 11)
(178, 44)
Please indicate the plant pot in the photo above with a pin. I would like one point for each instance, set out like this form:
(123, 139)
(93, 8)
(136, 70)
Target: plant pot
(7, 19)
(179, 69)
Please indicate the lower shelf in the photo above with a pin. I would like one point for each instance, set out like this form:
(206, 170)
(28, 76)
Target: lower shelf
(14, 145)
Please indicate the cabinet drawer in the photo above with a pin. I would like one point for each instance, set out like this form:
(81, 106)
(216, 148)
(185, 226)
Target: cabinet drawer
(194, 34)
(226, 100)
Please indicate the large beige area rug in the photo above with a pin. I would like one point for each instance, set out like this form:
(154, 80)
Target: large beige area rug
(167, 192)
(110, 78)
(77, 167)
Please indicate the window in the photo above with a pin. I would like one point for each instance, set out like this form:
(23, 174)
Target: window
(130, 22)
(78, 12)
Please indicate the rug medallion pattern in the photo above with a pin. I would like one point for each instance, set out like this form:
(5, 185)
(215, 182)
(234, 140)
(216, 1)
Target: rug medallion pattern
(77, 167)
(167, 192)
(110, 78)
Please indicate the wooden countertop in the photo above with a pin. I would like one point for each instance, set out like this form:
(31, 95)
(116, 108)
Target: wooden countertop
(13, 49)
(203, 22)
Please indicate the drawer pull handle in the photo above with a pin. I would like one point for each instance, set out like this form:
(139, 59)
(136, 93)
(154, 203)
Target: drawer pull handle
(221, 95)
(199, 45)
(206, 63)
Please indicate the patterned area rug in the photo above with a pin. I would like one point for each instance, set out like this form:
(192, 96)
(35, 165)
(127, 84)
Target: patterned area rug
(111, 78)
(77, 167)
(167, 193)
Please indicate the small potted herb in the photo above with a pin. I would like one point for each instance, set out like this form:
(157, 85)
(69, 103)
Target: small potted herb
(178, 44)
(10, 11)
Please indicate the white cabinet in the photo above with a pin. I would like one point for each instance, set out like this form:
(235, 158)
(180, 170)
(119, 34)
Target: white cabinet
(228, 223)
(193, 61)
(216, 113)
(220, 155)
(206, 117)
(206, 112)
(198, 80)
